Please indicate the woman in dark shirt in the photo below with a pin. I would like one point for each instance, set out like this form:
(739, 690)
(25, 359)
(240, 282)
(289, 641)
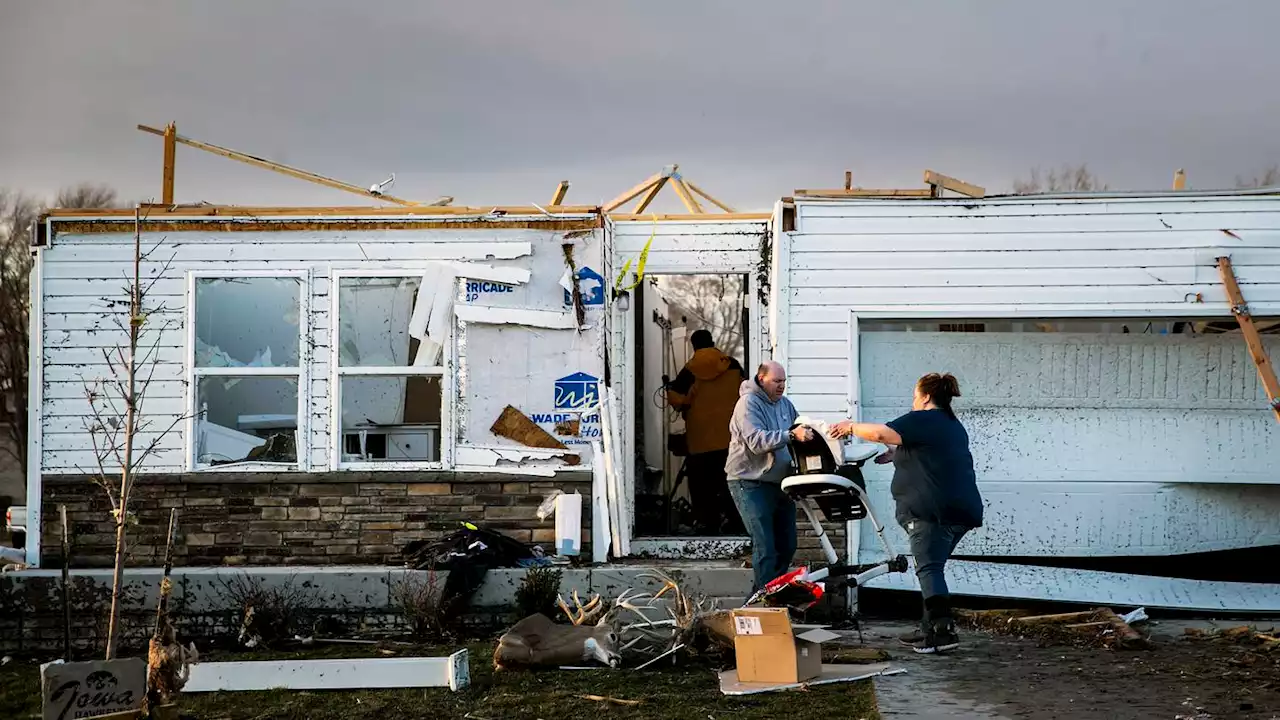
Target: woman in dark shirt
(935, 491)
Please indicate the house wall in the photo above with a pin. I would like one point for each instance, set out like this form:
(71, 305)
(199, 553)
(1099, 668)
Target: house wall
(1090, 442)
(317, 510)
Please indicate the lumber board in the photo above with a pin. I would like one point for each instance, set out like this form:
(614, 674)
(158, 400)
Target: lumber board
(937, 179)
(686, 197)
(355, 674)
(704, 217)
(633, 193)
(1057, 618)
(864, 192)
(561, 190)
(708, 197)
(1258, 353)
(170, 151)
(650, 194)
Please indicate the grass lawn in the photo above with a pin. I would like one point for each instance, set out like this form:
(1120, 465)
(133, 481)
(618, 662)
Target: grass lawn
(689, 691)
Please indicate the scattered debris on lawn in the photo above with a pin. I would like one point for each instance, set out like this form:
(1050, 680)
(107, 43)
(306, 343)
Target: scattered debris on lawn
(1252, 642)
(1100, 627)
(612, 701)
(853, 655)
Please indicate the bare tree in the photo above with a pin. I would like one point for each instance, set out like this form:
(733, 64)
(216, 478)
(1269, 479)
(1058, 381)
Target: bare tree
(117, 424)
(86, 195)
(18, 214)
(1066, 179)
(1269, 178)
(713, 302)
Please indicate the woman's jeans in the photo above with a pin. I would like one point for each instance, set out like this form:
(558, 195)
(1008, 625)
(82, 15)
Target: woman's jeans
(770, 517)
(931, 546)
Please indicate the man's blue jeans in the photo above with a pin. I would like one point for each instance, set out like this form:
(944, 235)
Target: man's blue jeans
(770, 518)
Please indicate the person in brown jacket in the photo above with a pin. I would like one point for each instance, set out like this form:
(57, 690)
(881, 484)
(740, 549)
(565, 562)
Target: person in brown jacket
(705, 392)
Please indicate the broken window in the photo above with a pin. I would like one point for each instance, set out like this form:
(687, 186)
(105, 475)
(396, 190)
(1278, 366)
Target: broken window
(248, 369)
(390, 370)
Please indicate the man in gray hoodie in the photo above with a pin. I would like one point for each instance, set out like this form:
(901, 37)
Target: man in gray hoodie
(759, 459)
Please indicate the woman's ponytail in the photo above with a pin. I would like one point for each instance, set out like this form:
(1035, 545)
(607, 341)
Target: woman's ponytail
(940, 389)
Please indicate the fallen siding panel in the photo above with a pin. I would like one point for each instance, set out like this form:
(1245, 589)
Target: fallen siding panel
(1028, 582)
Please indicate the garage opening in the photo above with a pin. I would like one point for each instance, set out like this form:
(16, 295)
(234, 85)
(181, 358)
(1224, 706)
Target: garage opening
(683, 401)
(1098, 443)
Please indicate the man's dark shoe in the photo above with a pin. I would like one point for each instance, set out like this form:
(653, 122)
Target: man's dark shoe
(939, 638)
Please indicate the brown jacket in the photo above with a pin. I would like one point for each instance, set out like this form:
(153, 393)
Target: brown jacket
(705, 392)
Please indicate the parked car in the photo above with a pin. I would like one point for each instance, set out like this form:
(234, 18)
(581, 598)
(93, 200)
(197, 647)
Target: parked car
(15, 521)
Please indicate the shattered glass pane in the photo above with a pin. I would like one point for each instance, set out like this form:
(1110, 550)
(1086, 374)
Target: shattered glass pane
(246, 419)
(383, 322)
(247, 321)
(391, 419)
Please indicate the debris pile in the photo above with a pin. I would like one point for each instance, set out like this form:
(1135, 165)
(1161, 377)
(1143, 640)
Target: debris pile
(1253, 648)
(1100, 627)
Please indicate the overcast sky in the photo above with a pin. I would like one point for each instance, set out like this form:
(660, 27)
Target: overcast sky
(494, 103)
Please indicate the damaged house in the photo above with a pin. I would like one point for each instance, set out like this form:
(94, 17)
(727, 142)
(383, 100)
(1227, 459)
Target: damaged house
(342, 381)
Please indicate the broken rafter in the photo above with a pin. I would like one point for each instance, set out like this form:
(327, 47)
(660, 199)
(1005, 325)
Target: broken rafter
(937, 180)
(634, 192)
(650, 194)
(649, 189)
(283, 169)
(1266, 373)
(861, 192)
(686, 196)
(561, 190)
(170, 153)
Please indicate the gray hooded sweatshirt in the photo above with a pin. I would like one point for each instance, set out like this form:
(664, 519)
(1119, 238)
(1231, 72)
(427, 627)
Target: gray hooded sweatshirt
(758, 435)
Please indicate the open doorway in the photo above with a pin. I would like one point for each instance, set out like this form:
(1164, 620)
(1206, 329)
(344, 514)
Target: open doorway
(682, 422)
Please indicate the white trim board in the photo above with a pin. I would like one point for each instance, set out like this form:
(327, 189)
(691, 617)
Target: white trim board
(453, 672)
(1032, 582)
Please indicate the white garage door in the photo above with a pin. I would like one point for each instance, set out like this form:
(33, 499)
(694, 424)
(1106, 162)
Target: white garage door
(1094, 444)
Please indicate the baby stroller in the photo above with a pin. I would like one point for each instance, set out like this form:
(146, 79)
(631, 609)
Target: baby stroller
(837, 490)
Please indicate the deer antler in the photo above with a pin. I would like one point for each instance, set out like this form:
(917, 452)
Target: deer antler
(586, 614)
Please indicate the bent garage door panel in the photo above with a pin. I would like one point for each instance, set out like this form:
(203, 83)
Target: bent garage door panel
(1095, 444)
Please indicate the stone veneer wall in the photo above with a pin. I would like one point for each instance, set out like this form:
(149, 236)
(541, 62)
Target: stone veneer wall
(344, 518)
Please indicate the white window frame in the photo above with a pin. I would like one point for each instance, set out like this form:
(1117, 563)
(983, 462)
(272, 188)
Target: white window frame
(301, 373)
(337, 372)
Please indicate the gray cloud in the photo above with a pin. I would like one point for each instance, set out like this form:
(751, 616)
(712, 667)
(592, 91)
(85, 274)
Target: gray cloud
(496, 102)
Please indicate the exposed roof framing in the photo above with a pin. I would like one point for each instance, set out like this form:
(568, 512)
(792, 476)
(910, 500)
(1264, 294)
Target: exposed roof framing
(651, 186)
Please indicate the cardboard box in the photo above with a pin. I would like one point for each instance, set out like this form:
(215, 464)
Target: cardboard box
(769, 650)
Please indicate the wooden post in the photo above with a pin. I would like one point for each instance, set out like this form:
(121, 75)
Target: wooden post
(1179, 180)
(1266, 373)
(66, 585)
(162, 608)
(170, 153)
(561, 190)
(848, 179)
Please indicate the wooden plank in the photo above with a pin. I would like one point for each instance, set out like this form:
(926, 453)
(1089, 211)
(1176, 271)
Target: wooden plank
(170, 151)
(561, 190)
(650, 194)
(1056, 618)
(1179, 180)
(678, 217)
(848, 179)
(708, 197)
(947, 182)
(273, 166)
(361, 674)
(864, 193)
(1258, 353)
(686, 197)
(633, 193)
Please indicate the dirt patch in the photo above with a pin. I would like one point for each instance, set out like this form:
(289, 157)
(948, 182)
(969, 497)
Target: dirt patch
(1011, 676)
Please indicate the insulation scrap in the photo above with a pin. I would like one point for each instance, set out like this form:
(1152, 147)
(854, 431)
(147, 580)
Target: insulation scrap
(515, 425)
